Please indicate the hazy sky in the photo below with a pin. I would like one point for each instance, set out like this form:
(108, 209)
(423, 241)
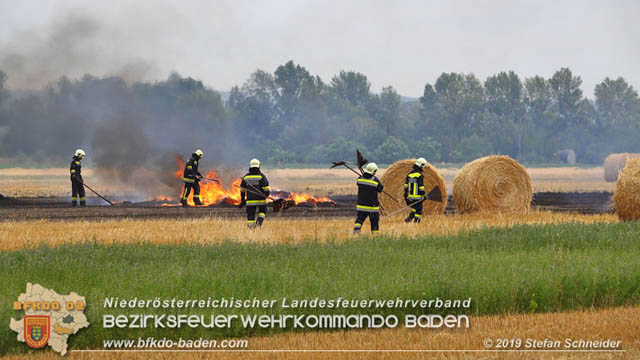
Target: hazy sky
(401, 43)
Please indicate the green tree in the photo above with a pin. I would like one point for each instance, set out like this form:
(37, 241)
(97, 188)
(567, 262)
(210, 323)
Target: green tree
(455, 109)
(337, 149)
(504, 98)
(351, 87)
(428, 148)
(391, 150)
(385, 109)
(538, 101)
(566, 92)
(617, 103)
(472, 147)
(290, 80)
(254, 107)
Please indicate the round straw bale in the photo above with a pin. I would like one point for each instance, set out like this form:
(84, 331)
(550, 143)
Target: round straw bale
(614, 163)
(627, 196)
(567, 156)
(492, 184)
(393, 180)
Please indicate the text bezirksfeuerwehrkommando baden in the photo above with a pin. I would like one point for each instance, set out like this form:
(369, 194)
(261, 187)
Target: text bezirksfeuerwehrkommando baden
(284, 303)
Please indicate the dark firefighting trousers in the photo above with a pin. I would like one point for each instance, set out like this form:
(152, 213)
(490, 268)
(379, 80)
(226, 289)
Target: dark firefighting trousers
(77, 193)
(416, 212)
(260, 210)
(196, 192)
(374, 219)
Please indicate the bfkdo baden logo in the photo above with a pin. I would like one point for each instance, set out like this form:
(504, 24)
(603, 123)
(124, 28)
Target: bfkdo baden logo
(50, 318)
(36, 330)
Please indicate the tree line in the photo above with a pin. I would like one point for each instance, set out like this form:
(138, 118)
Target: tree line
(292, 116)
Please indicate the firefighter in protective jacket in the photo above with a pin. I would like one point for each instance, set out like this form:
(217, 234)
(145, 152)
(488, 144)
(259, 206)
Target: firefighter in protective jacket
(414, 193)
(191, 178)
(254, 191)
(369, 186)
(77, 185)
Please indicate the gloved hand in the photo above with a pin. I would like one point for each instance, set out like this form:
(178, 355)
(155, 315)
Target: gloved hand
(243, 202)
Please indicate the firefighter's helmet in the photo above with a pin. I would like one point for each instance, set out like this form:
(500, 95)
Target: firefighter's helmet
(199, 153)
(371, 168)
(79, 154)
(421, 163)
(254, 163)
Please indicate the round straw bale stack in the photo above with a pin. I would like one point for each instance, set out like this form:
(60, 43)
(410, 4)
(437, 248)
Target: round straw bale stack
(614, 163)
(627, 196)
(492, 184)
(393, 181)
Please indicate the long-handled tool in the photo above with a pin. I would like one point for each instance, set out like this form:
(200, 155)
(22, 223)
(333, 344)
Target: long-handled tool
(433, 195)
(344, 163)
(361, 160)
(277, 203)
(100, 196)
(255, 192)
(211, 179)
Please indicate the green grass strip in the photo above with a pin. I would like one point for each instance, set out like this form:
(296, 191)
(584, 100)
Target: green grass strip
(522, 269)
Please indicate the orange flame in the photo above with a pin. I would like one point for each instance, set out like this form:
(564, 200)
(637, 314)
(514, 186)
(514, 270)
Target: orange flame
(212, 192)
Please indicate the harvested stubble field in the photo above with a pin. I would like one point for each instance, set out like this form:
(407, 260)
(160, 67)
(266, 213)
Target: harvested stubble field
(17, 235)
(19, 182)
(619, 324)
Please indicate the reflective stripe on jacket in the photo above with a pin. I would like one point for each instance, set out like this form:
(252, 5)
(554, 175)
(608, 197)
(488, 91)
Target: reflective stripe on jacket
(368, 188)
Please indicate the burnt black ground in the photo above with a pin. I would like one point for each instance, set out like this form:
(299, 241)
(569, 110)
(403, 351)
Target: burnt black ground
(14, 209)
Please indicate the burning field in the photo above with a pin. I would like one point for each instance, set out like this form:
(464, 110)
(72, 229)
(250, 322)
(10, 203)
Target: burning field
(213, 193)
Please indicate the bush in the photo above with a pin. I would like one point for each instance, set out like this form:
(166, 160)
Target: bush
(337, 149)
(471, 148)
(430, 149)
(391, 150)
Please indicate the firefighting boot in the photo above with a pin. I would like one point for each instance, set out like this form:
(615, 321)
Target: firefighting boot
(196, 200)
(74, 203)
(259, 222)
(416, 220)
(409, 218)
(83, 203)
(356, 231)
(184, 202)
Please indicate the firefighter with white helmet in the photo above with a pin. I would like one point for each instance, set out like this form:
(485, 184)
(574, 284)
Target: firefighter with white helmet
(369, 186)
(77, 185)
(414, 190)
(191, 177)
(254, 191)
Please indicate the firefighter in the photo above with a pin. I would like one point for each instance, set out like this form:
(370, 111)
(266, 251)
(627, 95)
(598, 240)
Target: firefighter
(77, 185)
(368, 188)
(254, 191)
(191, 178)
(414, 191)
